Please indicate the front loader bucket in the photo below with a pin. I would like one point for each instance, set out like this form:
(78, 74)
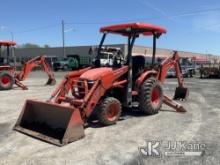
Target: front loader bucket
(181, 93)
(51, 81)
(50, 122)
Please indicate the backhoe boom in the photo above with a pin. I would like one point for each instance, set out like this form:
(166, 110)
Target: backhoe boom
(39, 61)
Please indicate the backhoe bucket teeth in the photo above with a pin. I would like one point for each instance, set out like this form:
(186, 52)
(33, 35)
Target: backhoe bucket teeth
(51, 81)
(50, 122)
(181, 93)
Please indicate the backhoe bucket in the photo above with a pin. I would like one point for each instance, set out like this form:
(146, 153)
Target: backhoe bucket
(51, 81)
(181, 93)
(50, 122)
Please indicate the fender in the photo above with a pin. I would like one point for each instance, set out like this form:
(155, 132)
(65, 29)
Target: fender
(8, 68)
(143, 77)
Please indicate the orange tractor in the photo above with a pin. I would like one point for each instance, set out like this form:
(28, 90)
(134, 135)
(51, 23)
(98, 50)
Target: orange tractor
(9, 77)
(104, 90)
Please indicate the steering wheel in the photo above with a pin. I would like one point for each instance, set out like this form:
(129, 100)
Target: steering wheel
(118, 60)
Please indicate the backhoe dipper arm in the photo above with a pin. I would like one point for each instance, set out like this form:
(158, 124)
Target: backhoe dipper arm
(36, 62)
(28, 67)
(167, 64)
(181, 92)
(46, 68)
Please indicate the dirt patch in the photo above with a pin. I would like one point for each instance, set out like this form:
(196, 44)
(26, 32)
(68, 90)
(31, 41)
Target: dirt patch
(5, 129)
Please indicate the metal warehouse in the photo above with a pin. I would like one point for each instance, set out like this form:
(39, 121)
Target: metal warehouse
(27, 53)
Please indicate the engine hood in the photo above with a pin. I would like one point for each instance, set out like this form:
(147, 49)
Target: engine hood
(97, 73)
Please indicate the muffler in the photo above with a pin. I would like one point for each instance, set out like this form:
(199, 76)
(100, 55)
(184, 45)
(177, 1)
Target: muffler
(181, 93)
(50, 122)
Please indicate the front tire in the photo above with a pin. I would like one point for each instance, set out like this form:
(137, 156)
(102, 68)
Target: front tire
(109, 111)
(151, 96)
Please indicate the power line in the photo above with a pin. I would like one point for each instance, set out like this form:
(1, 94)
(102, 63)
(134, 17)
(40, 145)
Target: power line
(183, 14)
(38, 28)
(195, 12)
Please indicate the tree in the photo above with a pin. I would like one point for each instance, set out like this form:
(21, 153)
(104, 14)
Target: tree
(30, 45)
(46, 46)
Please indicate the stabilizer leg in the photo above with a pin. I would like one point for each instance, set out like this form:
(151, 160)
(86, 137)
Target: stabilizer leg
(171, 103)
(19, 84)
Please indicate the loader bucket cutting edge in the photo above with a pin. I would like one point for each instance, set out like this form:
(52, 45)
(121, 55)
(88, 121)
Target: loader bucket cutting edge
(181, 93)
(50, 122)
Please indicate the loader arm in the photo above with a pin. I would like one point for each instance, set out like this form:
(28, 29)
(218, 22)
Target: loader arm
(38, 61)
(59, 94)
(98, 90)
(92, 95)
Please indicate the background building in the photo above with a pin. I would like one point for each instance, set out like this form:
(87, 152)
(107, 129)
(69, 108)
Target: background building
(27, 53)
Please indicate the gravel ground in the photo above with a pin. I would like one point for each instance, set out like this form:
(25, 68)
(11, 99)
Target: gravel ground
(120, 143)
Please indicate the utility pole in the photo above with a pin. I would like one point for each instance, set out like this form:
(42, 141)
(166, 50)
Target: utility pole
(9, 31)
(63, 38)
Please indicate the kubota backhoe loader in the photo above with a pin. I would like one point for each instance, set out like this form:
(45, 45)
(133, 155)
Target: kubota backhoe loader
(9, 77)
(61, 119)
(7, 72)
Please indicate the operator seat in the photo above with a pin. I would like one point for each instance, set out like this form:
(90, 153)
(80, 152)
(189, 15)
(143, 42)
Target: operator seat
(118, 60)
(138, 65)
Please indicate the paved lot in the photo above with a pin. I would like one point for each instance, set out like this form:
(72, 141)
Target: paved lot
(117, 144)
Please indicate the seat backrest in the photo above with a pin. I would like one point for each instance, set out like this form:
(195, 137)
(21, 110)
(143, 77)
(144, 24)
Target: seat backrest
(138, 65)
(1, 60)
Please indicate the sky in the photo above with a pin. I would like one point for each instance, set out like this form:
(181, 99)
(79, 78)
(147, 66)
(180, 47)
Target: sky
(191, 25)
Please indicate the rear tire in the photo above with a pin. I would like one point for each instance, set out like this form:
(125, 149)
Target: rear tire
(109, 111)
(6, 81)
(151, 96)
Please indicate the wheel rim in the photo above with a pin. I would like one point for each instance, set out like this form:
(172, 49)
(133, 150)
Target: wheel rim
(112, 112)
(155, 96)
(5, 80)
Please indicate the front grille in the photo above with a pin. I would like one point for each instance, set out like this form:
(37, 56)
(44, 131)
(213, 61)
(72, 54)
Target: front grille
(80, 88)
